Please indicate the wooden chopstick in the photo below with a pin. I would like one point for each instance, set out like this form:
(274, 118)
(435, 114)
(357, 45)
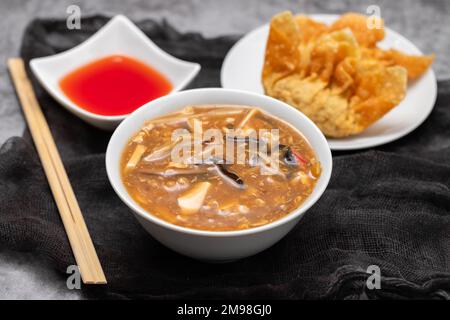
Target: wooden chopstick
(72, 218)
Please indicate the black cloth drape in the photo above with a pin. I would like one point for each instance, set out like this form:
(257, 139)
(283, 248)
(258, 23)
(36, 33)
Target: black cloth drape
(389, 206)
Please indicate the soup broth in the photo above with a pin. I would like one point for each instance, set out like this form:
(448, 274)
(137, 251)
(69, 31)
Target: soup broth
(270, 171)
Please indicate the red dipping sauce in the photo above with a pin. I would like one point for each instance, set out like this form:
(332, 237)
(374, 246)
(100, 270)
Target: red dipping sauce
(114, 85)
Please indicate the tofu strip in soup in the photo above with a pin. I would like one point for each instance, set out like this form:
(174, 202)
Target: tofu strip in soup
(219, 167)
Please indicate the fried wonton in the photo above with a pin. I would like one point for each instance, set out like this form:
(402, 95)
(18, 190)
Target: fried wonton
(335, 74)
(367, 30)
(281, 56)
(310, 29)
(416, 65)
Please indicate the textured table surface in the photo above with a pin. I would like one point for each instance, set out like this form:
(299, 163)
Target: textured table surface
(426, 23)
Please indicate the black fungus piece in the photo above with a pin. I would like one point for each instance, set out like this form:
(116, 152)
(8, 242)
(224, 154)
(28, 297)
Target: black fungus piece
(288, 156)
(230, 175)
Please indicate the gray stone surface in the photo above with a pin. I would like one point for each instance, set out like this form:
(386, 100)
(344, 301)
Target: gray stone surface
(426, 23)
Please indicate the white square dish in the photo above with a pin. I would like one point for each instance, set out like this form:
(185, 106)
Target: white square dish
(118, 36)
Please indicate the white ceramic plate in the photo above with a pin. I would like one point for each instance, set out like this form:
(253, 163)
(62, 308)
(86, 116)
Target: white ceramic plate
(118, 36)
(242, 68)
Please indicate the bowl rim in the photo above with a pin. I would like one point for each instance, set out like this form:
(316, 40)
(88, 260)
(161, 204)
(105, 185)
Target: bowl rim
(297, 212)
(120, 18)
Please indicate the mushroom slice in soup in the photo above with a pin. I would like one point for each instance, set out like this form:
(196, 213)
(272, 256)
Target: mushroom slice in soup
(162, 152)
(170, 172)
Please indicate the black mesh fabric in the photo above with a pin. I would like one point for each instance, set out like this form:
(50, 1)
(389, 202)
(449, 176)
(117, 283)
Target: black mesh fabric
(389, 206)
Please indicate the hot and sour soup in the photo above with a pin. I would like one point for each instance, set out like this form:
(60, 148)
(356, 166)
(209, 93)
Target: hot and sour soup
(253, 169)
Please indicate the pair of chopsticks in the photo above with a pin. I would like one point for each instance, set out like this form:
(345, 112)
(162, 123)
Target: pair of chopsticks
(72, 218)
